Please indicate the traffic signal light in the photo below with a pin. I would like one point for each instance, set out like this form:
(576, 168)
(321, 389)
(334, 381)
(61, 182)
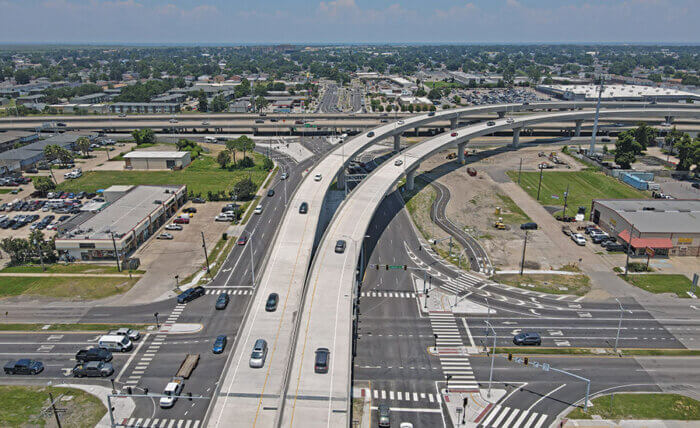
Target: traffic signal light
(405, 267)
(465, 401)
(387, 267)
(510, 357)
(377, 266)
(525, 360)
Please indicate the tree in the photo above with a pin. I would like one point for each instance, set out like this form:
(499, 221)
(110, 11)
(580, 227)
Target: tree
(267, 164)
(672, 137)
(688, 153)
(219, 103)
(434, 94)
(457, 99)
(245, 144)
(51, 152)
(232, 147)
(244, 189)
(203, 103)
(223, 158)
(626, 149)
(17, 248)
(260, 103)
(83, 145)
(22, 76)
(43, 184)
(534, 74)
(144, 136)
(421, 92)
(65, 155)
(644, 134)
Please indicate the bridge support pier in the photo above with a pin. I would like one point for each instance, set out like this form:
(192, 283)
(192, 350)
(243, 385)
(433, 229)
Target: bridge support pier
(516, 137)
(411, 178)
(453, 123)
(416, 132)
(501, 114)
(578, 128)
(341, 180)
(397, 142)
(669, 119)
(255, 131)
(460, 151)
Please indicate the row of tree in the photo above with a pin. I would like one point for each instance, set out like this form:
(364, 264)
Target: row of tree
(241, 144)
(634, 142)
(31, 249)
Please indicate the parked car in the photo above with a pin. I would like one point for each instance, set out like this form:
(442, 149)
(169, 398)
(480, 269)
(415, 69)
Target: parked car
(173, 227)
(224, 217)
(190, 210)
(219, 344)
(529, 226)
(24, 366)
(257, 357)
(615, 246)
(578, 239)
(93, 354)
(321, 361)
(340, 246)
(93, 369)
(165, 235)
(303, 208)
(198, 200)
(190, 294)
(527, 338)
(182, 220)
(222, 301)
(271, 304)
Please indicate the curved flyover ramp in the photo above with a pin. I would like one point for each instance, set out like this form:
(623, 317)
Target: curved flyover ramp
(323, 400)
(253, 396)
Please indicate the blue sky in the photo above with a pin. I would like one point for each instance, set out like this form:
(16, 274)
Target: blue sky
(348, 21)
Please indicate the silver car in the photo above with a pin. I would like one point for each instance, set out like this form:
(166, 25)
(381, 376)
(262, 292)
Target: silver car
(257, 357)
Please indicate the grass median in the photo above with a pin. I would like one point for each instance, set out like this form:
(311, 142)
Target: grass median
(636, 406)
(577, 284)
(86, 269)
(22, 406)
(637, 352)
(661, 283)
(584, 186)
(72, 288)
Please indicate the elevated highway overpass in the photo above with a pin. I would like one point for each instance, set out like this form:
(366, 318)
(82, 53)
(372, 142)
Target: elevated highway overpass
(256, 397)
(324, 400)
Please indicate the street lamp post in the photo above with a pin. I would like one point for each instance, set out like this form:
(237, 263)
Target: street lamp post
(619, 324)
(252, 265)
(447, 383)
(493, 355)
(157, 323)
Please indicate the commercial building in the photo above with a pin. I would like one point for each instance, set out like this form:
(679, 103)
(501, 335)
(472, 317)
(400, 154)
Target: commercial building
(131, 215)
(8, 139)
(666, 226)
(141, 159)
(144, 107)
(91, 98)
(29, 155)
(616, 93)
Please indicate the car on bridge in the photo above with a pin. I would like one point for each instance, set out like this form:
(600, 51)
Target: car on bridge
(340, 246)
(303, 208)
(257, 357)
(271, 304)
(398, 162)
(24, 366)
(490, 123)
(321, 362)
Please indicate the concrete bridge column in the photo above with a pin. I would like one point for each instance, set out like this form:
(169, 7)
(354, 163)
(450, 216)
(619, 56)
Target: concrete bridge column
(410, 178)
(578, 128)
(255, 131)
(516, 137)
(460, 151)
(341, 180)
(453, 123)
(397, 142)
(416, 132)
(670, 119)
(501, 114)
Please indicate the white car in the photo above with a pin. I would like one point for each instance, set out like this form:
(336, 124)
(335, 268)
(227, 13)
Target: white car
(317, 177)
(124, 331)
(173, 227)
(258, 210)
(510, 120)
(224, 217)
(173, 120)
(165, 236)
(205, 123)
(400, 122)
(283, 176)
(578, 239)
(398, 162)
(172, 390)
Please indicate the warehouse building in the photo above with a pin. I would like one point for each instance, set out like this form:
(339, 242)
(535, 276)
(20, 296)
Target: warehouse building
(616, 93)
(9, 139)
(669, 227)
(31, 154)
(141, 159)
(130, 216)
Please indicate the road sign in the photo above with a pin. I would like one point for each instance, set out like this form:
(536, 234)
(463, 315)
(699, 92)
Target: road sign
(545, 367)
(395, 266)
(650, 252)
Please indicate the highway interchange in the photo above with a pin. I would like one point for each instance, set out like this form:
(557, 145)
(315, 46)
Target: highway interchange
(390, 317)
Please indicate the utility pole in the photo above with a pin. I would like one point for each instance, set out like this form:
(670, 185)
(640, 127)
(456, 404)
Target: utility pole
(566, 197)
(539, 185)
(206, 257)
(591, 149)
(520, 169)
(522, 261)
(493, 355)
(116, 254)
(252, 265)
(629, 246)
(53, 409)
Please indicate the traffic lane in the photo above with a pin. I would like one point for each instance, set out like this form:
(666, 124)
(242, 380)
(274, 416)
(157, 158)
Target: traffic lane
(587, 339)
(410, 393)
(408, 357)
(58, 365)
(202, 309)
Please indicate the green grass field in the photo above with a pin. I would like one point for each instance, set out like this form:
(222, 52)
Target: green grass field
(661, 283)
(21, 406)
(201, 176)
(441, 85)
(548, 283)
(71, 287)
(513, 214)
(70, 268)
(642, 406)
(584, 186)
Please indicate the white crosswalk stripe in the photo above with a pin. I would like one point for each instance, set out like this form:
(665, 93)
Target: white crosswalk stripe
(509, 417)
(231, 292)
(455, 365)
(395, 294)
(425, 397)
(159, 423)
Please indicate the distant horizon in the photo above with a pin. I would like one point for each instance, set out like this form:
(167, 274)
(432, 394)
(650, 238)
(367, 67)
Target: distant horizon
(395, 44)
(354, 22)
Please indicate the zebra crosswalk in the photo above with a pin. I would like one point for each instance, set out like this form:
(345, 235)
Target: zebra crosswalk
(391, 395)
(449, 345)
(159, 423)
(509, 417)
(400, 294)
(234, 292)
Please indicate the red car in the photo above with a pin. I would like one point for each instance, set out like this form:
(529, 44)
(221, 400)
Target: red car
(242, 240)
(454, 134)
(182, 220)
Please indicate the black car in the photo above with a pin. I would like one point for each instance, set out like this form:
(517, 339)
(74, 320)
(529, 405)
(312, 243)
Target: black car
(340, 246)
(529, 226)
(198, 200)
(90, 195)
(321, 362)
(24, 366)
(190, 294)
(271, 192)
(370, 134)
(271, 304)
(222, 301)
(614, 246)
(190, 210)
(80, 195)
(524, 339)
(303, 208)
(93, 354)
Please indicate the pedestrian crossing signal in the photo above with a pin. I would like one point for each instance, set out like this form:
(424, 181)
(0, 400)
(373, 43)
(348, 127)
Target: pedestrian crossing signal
(377, 267)
(405, 267)
(387, 267)
(510, 357)
(525, 361)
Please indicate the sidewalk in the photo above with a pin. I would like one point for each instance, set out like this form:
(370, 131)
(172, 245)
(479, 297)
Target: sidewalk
(632, 424)
(111, 275)
(478, 405)
(123, 406)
